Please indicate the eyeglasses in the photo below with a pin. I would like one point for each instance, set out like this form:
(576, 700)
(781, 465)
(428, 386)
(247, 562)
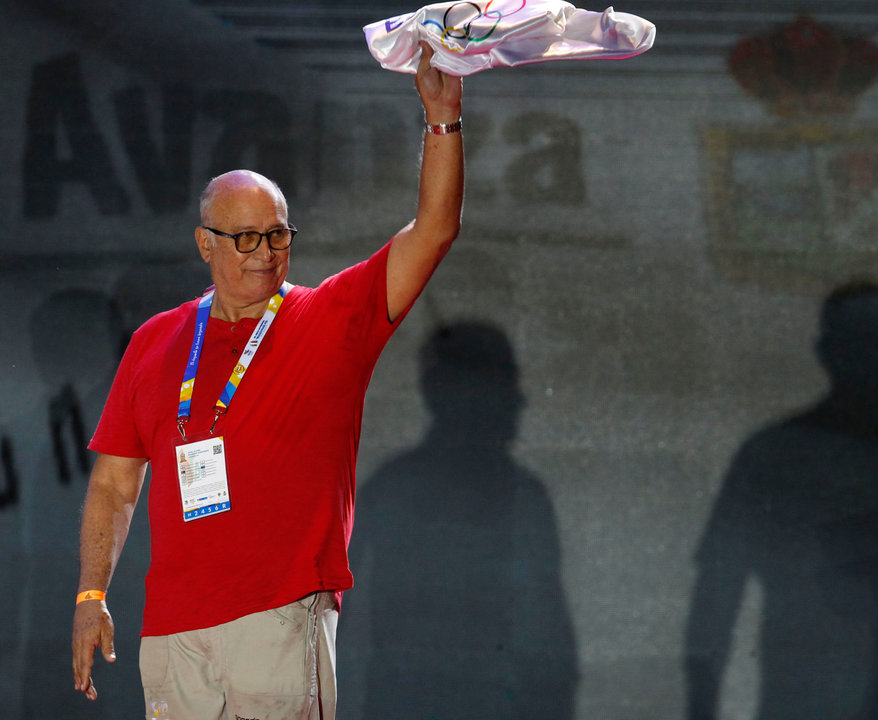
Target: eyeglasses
(249, 240)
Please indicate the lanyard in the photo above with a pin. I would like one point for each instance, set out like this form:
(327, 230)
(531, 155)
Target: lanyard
(201, 318)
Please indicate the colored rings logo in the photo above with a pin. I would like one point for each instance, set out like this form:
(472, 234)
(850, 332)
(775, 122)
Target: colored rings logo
(461, 23)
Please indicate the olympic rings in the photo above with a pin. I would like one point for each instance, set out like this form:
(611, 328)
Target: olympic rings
(463, 32)
(450, 28)
(433, 22)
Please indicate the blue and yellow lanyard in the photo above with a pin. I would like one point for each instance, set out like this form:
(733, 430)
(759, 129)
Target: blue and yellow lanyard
(201, 318)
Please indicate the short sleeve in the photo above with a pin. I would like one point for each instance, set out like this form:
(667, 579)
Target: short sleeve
(116, 433)
(360, 293)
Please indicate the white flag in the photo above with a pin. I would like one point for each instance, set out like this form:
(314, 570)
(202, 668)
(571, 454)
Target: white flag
(468, 37)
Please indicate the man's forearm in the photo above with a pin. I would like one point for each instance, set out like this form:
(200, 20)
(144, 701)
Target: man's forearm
(440, 195)
(105, 525)
(106, 518)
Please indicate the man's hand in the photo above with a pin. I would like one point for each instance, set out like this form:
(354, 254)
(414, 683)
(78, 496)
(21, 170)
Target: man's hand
(92, 628)
(440, 93)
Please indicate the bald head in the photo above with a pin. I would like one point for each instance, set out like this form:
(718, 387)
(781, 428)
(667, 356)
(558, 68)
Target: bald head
(232, 183)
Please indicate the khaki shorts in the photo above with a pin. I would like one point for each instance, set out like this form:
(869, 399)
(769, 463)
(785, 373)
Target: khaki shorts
(266, 666)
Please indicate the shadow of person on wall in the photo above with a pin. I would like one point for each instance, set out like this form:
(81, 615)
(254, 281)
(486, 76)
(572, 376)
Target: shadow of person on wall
(798, 513)
(458, 555)
(77, 338)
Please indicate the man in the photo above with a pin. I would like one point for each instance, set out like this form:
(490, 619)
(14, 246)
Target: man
(251, 497)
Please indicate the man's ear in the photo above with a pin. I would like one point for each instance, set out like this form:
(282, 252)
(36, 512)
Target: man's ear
(203, 241)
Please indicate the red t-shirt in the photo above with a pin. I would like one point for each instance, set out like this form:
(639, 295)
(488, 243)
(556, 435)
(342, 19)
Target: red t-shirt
(291, 436)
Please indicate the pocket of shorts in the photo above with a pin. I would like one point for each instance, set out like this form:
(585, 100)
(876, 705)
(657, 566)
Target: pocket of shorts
(154, 659)
(273, 653)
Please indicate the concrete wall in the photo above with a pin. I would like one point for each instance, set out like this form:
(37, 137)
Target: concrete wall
(604, 472)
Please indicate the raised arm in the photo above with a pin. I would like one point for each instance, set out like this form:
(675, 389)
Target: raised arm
(113, 490)
(417, 249)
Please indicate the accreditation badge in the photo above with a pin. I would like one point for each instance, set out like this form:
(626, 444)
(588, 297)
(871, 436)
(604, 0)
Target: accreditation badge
(204, 483)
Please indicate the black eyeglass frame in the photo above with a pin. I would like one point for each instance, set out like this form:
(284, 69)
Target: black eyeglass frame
(237, 236)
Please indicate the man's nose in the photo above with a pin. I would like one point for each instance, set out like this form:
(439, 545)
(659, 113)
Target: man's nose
(263, 250)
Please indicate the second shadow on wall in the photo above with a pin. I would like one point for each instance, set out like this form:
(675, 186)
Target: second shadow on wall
(798, 514)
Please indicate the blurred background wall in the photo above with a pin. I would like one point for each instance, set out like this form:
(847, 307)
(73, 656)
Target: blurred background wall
(620, 461)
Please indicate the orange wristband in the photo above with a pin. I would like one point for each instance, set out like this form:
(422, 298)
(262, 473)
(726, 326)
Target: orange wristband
(90, 595)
